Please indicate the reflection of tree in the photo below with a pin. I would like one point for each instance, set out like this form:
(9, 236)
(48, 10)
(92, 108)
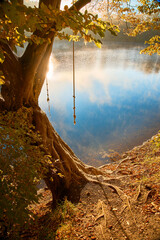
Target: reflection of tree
(149, 67)
(146, 64)
(117, 118)
(111, 53)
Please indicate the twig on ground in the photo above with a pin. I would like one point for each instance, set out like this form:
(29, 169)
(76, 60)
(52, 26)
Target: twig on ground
(138, 193)
(120, 193)
(123, 160)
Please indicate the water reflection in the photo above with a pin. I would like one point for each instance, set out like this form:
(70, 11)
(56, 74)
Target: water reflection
(118, 98)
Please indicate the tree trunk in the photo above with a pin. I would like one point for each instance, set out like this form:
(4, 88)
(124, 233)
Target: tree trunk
(72, 174)
(24, 78)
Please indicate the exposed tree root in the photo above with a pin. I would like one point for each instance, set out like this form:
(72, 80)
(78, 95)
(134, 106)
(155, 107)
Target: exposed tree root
(121, 161)
(72, 174)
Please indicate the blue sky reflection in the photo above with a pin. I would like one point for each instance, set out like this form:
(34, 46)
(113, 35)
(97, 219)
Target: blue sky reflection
(117, 99)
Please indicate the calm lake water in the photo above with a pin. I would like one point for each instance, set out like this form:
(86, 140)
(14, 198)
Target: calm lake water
(117, 98)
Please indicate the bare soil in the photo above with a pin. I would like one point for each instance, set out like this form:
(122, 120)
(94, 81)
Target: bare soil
(128, 209)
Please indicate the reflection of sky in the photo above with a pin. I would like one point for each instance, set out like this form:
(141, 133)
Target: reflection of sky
(117, 99)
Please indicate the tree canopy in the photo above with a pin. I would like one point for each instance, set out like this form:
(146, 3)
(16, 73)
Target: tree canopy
(135, 17)
(20, 24)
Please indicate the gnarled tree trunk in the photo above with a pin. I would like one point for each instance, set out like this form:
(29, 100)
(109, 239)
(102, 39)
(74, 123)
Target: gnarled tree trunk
(24, 78)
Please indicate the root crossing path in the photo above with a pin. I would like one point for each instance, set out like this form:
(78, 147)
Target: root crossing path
(124, 207)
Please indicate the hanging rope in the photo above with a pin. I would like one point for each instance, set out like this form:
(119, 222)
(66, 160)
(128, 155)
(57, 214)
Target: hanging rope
(74, 90)
(48, 100)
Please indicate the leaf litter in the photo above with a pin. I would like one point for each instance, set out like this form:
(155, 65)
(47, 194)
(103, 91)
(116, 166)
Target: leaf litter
(125, 207)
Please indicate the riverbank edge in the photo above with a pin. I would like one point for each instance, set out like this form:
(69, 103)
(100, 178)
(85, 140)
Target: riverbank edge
(137, 176)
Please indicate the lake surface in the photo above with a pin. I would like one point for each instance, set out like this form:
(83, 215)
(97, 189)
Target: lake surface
(117, 98)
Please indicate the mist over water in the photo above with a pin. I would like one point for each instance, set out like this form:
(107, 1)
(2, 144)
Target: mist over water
(117, 98)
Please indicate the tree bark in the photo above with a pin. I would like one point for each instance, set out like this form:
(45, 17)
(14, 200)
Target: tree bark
(79, 4)
(41, 73)
(74, 174)
(12, 70)
(24, 78)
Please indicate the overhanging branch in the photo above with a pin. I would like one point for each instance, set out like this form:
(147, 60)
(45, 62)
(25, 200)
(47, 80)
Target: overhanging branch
(79, 4)
(8, 51)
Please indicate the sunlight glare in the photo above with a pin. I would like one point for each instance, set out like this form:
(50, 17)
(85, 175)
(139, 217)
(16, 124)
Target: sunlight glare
(50, 68)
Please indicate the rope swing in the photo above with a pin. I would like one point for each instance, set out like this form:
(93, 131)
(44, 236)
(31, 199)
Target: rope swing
(74, 90)
(48, 100)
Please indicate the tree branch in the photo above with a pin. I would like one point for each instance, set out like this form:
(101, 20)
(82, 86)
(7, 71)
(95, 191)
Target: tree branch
(8, 53)
(54, 3)
(12, 71)
(33, 56)
(20, 1)
(79, 4)
(32, 59)
(41, 73)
